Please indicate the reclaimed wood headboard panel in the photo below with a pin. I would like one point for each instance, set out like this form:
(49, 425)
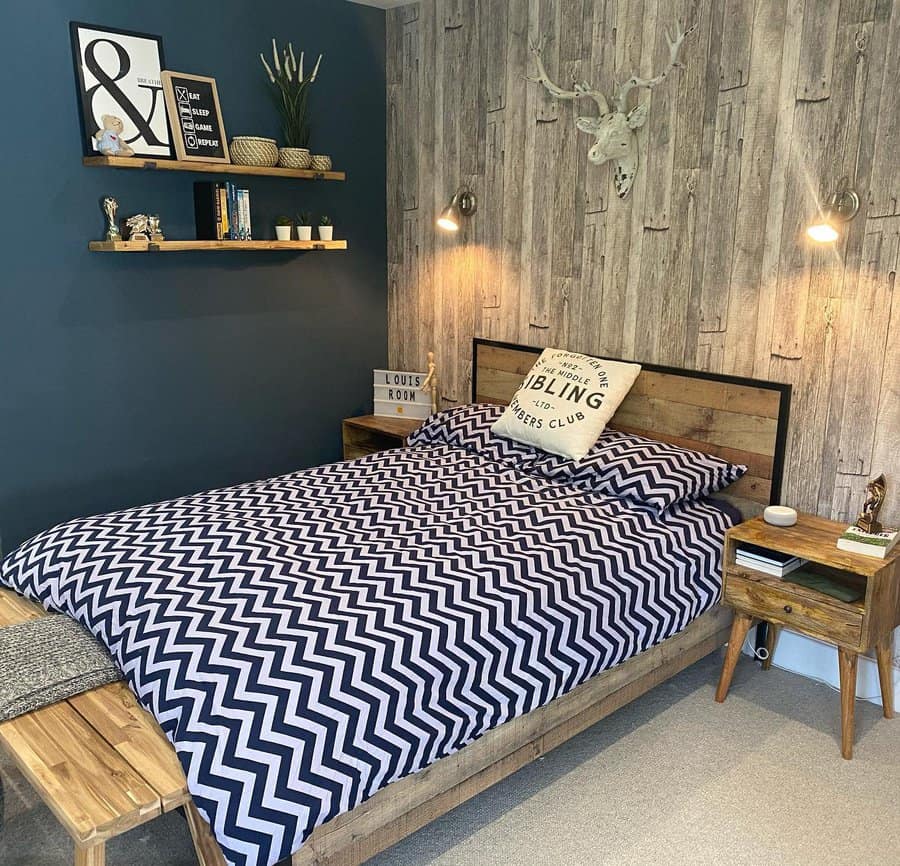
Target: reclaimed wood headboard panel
(739, 420)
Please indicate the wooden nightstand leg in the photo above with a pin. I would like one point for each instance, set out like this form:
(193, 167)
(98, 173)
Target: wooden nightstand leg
(771, 640)
(847, 666)
(94, 855)
(739, 629)
(886, 676)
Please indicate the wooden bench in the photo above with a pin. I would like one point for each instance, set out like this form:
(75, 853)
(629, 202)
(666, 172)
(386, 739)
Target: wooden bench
(100, 762)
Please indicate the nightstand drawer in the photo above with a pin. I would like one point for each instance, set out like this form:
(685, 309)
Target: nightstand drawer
(836, 622)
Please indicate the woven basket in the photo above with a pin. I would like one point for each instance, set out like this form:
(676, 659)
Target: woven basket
(293, 157)
(320, 162)
(252, 150)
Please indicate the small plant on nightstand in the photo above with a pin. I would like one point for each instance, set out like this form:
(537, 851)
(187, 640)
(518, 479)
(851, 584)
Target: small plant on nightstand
(283, 226)
(326, 229)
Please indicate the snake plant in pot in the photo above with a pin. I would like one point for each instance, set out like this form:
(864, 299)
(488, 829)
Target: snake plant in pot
(290, 88)
(326, 229)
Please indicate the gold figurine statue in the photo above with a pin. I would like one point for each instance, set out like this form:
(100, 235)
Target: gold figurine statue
(431, 383)
(868, 517)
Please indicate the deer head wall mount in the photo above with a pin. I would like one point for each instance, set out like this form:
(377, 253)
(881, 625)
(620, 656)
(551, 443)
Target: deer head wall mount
(615, 130)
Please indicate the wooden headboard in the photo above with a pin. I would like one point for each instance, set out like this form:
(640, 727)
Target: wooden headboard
(740, 420)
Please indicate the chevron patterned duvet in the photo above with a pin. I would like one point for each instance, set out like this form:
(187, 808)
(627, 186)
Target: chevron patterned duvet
(305, 640)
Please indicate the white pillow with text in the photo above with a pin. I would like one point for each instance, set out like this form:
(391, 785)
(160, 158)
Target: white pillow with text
(566, 401)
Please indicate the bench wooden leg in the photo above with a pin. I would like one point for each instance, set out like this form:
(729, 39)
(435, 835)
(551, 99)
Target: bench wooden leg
(93, 856)
(208, 851)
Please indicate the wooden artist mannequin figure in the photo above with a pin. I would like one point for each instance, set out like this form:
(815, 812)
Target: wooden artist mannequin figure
(431, 383)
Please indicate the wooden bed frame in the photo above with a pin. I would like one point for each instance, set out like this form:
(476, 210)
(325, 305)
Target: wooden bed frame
(122, 771)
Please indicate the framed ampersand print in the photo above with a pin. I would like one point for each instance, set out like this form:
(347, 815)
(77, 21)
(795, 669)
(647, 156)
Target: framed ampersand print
(123, 112)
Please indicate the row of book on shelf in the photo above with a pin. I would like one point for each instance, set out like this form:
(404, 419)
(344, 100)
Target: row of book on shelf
(222, 212)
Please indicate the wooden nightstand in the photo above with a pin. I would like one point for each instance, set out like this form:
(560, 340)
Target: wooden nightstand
(854, 627)
(370, 433)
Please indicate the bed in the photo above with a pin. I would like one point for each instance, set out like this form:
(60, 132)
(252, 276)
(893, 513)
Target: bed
(447, 616)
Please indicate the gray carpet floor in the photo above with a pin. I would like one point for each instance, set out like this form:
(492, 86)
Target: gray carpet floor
(671, 779)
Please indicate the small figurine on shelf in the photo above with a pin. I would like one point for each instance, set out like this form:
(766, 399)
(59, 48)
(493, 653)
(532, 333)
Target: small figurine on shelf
(430, 385)
(110, 206)
(153, 229)
(326, 229)
(138, 227)
(109, 138)
(868, 518)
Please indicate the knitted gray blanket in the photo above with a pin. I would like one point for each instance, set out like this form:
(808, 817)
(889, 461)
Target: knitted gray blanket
(46, 660)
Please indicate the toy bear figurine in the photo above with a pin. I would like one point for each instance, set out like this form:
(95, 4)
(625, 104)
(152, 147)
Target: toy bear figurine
(109, 138)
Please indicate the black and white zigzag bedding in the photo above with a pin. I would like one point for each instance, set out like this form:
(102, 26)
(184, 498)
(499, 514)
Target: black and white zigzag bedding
(305, 640)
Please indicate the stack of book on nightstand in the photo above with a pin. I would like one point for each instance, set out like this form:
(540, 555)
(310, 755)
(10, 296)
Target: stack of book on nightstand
(769, 561)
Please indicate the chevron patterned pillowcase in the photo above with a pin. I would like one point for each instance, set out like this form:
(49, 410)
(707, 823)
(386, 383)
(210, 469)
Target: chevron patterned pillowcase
(469, 427)
(644, 470)
(620, 464)
(566, 401)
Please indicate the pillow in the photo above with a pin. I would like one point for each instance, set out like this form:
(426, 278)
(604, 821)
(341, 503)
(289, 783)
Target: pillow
(566, 401)
(469, 427)
(644, 470)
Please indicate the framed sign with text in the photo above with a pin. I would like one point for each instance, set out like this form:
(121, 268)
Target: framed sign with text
(120, 91)
(195, 117)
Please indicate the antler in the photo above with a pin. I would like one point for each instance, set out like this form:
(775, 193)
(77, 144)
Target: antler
(582, 88)
(650, 83)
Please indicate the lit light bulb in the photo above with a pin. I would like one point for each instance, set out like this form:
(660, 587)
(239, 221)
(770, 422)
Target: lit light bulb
(823, 233)
(462, 204)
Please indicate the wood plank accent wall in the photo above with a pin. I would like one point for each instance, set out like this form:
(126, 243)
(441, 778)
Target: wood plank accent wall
(705, 265)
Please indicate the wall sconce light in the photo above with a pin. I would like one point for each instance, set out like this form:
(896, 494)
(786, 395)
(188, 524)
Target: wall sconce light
(840, 208)
(462, 204)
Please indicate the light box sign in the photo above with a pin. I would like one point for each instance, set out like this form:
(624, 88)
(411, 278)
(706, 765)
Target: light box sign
(398, 394)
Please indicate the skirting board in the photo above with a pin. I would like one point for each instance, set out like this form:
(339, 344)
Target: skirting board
(817, 660)
(411, 803)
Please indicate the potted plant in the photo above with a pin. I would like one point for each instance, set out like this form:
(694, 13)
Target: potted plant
(290, 88)
(326, 229)
(304, 226)
(283, 226)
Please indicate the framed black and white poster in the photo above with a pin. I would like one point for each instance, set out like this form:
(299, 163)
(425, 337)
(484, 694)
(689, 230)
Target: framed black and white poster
(195, 117)
(123, 112)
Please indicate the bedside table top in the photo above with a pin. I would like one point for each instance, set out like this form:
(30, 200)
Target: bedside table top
(814, 538)
(401, 427)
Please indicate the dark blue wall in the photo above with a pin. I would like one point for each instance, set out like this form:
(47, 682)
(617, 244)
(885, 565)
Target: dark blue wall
(126, 379)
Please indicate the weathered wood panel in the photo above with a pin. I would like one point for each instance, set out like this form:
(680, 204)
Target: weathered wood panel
(705, 265)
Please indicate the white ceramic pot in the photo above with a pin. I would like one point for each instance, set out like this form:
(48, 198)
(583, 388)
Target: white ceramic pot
(283, 233)
(326, 233)
(304, 233)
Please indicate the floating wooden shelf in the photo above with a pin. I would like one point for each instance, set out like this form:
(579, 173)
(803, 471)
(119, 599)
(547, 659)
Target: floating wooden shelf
(231, 246)
(140, 162)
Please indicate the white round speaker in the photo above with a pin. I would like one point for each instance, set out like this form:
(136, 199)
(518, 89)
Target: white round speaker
(780, 515)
